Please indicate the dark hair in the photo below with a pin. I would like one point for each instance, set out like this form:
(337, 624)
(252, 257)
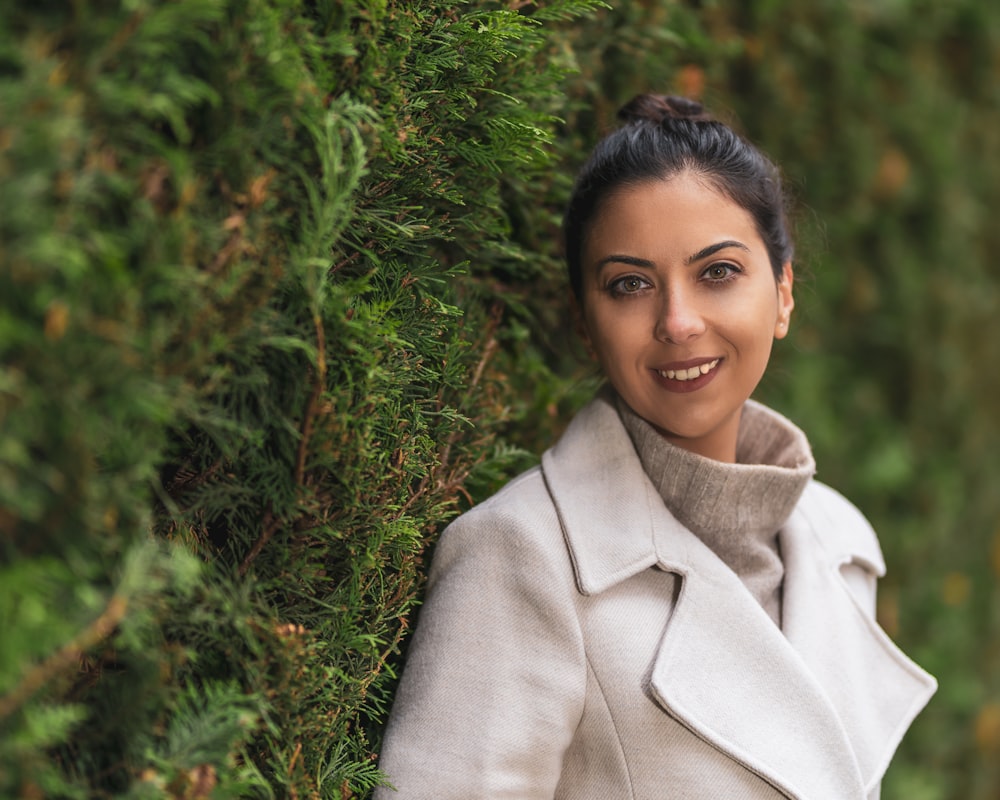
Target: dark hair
(663, 136)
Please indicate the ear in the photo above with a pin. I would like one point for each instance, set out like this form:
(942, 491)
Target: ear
(785, 301)
(580, 324)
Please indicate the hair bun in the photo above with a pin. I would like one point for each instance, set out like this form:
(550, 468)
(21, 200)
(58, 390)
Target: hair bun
(659, 108)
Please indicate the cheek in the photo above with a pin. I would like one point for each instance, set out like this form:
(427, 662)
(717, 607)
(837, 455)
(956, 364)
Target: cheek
(614, 334)
(762, 340)
(760, 322)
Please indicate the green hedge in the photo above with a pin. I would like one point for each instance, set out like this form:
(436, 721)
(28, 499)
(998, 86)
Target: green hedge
(259, 288)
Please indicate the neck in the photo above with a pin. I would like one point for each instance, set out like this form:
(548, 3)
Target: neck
(718, 445)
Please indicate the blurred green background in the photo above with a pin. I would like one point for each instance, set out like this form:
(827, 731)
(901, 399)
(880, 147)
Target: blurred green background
(884, 118)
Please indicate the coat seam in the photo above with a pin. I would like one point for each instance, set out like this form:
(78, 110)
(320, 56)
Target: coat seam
(611, 716)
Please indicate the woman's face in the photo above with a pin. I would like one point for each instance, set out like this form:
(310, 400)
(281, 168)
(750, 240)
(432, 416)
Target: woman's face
(680, 307)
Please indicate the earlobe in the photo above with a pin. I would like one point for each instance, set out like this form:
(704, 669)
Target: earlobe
(786, 302)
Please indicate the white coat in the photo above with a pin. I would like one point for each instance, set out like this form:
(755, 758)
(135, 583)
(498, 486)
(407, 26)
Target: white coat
(578, 642)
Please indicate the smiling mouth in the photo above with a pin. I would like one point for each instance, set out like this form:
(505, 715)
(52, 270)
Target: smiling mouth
(688, 374)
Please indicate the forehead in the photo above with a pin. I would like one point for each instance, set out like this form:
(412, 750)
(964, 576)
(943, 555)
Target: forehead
(682, 213)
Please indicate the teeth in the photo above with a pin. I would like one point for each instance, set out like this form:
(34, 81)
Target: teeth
(689, 374)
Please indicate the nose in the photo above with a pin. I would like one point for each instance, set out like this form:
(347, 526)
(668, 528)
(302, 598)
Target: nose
(679, 318)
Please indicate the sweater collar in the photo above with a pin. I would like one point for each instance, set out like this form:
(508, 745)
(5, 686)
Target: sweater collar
(753, 497)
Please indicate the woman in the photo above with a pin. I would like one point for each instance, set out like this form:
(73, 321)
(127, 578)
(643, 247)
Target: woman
(670, 605)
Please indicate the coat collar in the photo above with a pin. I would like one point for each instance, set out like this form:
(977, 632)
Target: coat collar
(847, 694)
(605, 502)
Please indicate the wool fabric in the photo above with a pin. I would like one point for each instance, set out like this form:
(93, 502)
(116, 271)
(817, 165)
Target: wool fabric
(736, 509)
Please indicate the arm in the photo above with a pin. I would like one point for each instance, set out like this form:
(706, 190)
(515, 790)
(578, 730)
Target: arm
(495, 677)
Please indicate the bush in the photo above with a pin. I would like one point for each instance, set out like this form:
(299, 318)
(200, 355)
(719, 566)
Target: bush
(260, 287)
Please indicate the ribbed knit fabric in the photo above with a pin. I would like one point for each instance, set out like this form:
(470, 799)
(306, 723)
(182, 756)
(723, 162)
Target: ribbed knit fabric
(736, 509)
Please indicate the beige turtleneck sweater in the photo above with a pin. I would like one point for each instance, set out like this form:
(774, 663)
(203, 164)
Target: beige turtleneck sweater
(736, 509)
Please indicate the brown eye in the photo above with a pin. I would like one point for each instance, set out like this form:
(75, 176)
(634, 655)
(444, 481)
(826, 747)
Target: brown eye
(630, 284)
(720, 272)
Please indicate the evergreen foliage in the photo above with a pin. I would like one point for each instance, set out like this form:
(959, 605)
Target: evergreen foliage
(257, 275)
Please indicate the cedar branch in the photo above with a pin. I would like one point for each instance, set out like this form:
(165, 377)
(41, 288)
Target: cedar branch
(271, 524)
(489, 349)
(496, 312)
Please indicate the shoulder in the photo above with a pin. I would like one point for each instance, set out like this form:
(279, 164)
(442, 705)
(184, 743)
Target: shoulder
(843, 530)
(585, 512)
(574, 474)
(523, 502)
(519, 524)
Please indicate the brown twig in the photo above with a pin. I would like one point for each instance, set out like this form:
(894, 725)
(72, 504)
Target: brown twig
(352, 257)
(295, 757)
(496, 312)
(66, 656)
(271, 525)
(305, 430)
(186, 479)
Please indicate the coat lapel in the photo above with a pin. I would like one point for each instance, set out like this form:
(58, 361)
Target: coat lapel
(727, 673)
(830, 696)
(876, 689)
(604, 500)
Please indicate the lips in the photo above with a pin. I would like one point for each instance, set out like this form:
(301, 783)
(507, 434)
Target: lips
(687, 376)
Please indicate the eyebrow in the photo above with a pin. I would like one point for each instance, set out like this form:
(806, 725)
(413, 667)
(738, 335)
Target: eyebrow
(705, 252)
(712, 249)
(632, 261)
